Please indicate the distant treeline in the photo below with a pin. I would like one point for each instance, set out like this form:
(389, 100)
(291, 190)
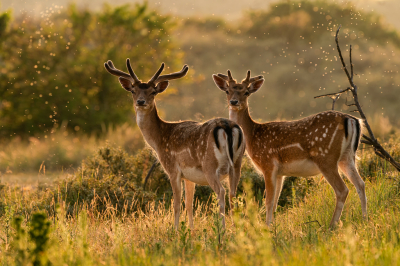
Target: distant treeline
(52, 74)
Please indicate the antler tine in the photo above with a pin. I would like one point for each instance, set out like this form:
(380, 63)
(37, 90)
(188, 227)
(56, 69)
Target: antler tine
(227, 78)
(230, 75)
(230, 78)
(175, 75)
(251, 80)
(116, 72)
(247, 79)
(133, 75)
(157, 74)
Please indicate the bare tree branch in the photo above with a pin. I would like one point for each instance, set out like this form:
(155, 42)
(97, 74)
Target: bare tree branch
(369, 140)
(149, 173)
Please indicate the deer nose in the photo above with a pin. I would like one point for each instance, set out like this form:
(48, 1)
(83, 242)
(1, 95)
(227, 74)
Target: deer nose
(234, 102)
(140, 102)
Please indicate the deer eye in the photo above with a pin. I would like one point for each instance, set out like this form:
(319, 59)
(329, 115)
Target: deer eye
(246, 93)
(153, 93)
(227, 92)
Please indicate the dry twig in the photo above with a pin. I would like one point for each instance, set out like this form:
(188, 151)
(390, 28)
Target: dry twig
(369, 140)
(149, 173)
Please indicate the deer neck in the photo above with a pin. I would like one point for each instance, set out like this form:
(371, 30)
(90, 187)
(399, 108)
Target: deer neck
(150, 125)
(243, 118)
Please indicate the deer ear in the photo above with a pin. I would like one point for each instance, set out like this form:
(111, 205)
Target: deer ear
(162, 86)
(125, 83)
(256, 85)
(220, 82)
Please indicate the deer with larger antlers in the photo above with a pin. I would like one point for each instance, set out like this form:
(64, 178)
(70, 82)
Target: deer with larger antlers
(198, 153)
(320, 143)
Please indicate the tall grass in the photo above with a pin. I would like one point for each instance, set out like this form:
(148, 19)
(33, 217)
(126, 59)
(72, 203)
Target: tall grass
(63, 150)
(299, 235)
(88, 235)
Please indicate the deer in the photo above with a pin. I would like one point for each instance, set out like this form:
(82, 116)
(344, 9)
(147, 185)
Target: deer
(198, 153)
(321, 143)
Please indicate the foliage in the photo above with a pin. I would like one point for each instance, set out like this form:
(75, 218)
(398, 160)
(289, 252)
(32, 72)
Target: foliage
(39, 234)
(294, 49)
(109, 177)
(291, 44)
(371, 165)
(52, 67)
(61, 152)
(306, 21)
(299, 236)
(112, 176)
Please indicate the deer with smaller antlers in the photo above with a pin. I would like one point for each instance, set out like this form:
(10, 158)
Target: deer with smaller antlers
(199, 153)
(320, 143)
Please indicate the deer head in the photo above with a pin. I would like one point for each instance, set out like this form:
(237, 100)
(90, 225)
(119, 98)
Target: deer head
(237, 93)
(144, 92)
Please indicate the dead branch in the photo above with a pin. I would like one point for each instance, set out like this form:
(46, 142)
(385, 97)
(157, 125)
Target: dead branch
(368, 140)
(149, 173)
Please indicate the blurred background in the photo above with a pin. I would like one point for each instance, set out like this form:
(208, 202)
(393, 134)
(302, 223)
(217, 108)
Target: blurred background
(58, 104)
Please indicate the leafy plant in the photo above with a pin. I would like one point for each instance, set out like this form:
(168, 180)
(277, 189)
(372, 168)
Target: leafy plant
(39, 235)
(52, 71)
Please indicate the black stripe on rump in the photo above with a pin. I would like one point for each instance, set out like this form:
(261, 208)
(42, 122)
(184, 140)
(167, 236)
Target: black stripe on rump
(358, 131)
(358, 135)
(240, 134)
(346, 127)
(228, 132)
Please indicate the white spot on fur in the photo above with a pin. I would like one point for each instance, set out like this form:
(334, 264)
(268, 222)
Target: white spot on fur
(324, 135)
(292, 145)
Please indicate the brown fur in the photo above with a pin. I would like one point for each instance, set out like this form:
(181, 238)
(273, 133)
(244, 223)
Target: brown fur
(186, 150)
(309, 146)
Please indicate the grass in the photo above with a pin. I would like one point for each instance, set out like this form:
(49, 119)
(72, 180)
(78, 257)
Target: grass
(60, 152)
(50, 231)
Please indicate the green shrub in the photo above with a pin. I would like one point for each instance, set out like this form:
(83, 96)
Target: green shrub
(111, 177)
(52, 68)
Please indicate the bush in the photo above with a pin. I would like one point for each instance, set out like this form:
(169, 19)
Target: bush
(306, 21)
(51, 69)
(111, 177)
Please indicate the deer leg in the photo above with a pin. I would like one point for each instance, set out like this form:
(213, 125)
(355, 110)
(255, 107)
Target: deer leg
(234, 177)
(177, 191)
(278, 190)
(217, 187)
(349, 169)
(189, 195)
(270, 190)
(341, 191)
